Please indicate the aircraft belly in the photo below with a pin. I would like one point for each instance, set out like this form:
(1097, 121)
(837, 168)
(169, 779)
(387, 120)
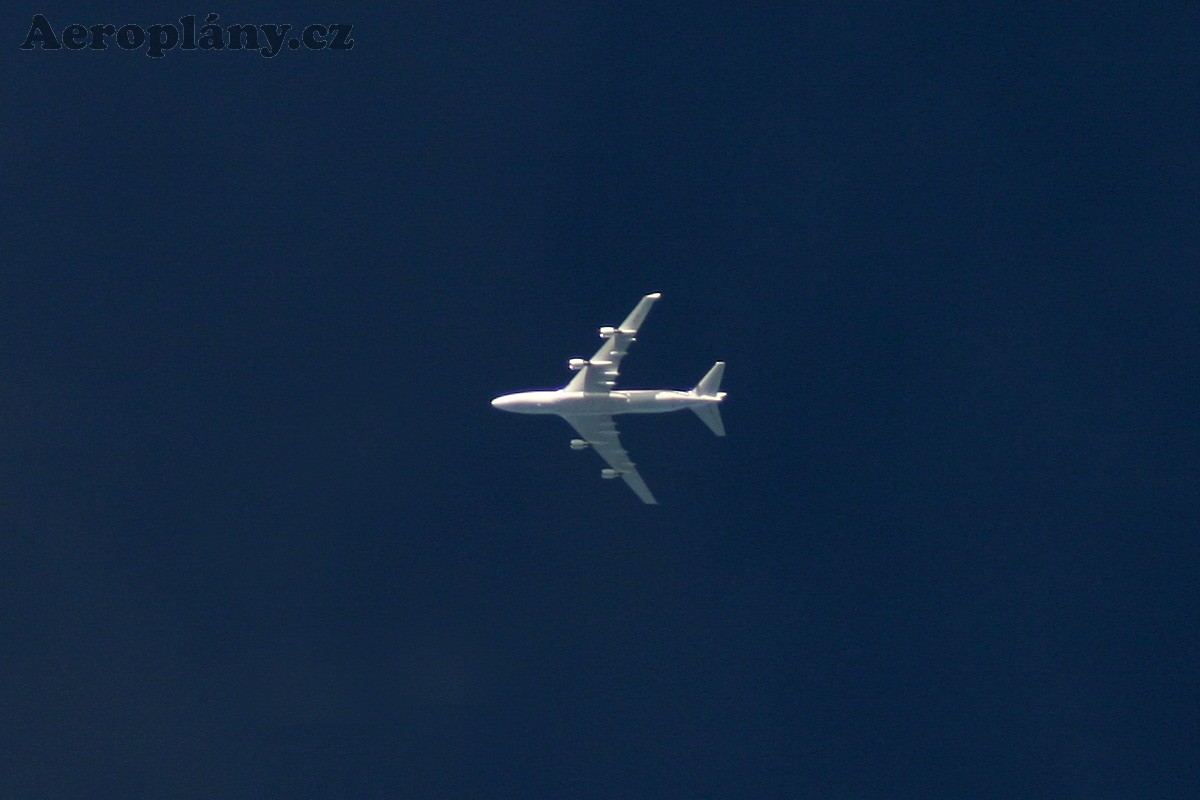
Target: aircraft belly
(656, 402)
(595, 404)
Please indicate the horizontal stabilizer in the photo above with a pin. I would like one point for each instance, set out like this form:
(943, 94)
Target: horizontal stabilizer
(710, 383)
(710, 415)
(709, 386)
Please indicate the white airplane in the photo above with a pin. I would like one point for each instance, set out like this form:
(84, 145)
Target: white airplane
(589, 402)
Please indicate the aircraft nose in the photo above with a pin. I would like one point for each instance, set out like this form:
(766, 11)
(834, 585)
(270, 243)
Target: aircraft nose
(500, 402)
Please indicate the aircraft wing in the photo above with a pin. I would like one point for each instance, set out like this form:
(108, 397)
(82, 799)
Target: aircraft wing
(601, 433)
(600, 374)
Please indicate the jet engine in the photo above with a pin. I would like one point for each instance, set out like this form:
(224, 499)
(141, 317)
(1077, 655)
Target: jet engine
(607, 332)
(577, 363)
(609, 474)
(579, 444)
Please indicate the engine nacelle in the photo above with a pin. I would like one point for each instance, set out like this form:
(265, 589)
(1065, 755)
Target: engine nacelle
(577, 364)
(609, 474)
(607, 332)
(579, 444)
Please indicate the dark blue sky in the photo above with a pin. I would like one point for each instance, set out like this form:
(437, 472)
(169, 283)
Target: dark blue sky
(263, 536)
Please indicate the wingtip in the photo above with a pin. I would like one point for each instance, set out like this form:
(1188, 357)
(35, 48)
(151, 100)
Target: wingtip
(654, 296)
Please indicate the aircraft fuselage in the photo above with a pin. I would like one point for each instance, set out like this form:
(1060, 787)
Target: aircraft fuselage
(629, 401)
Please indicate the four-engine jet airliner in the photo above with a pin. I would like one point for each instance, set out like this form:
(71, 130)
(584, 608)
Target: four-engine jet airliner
(589, 401)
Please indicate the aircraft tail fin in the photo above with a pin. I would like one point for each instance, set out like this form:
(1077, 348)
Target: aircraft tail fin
(709, 386)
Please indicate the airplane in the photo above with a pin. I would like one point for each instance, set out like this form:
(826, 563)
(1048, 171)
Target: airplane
(589, 402)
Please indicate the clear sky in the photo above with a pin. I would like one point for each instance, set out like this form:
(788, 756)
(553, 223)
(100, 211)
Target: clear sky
(262, 534)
